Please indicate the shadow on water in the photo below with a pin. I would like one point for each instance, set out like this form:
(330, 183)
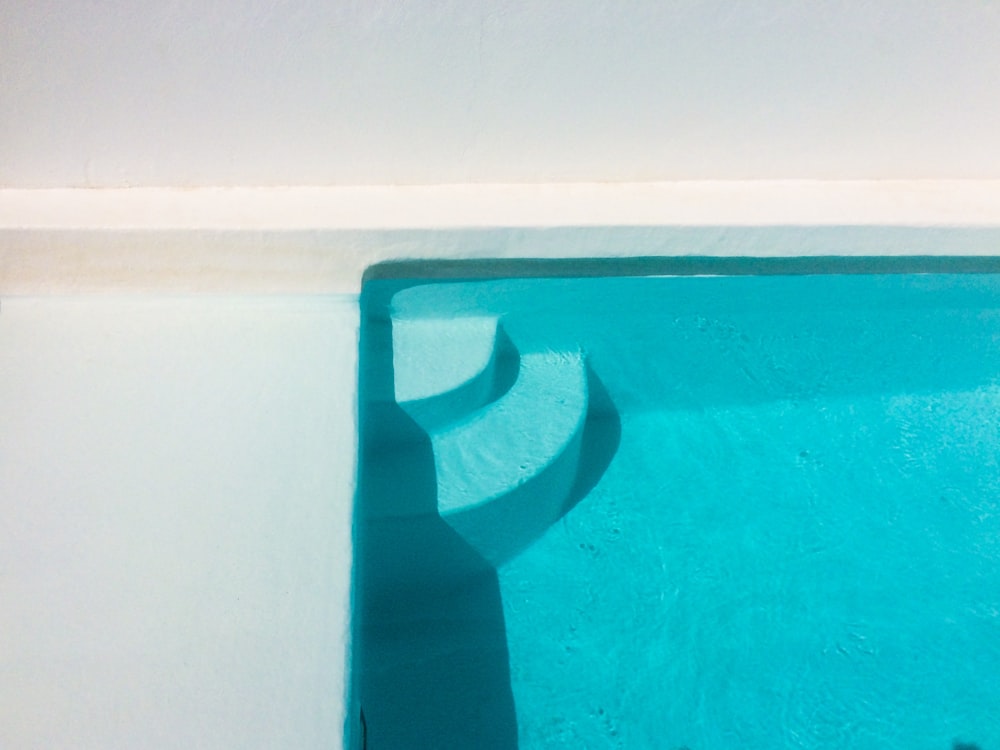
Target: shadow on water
(431, 666)
(431, 662)
(602, 434)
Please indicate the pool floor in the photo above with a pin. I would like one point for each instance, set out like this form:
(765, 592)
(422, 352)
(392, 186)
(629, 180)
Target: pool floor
(783, 530)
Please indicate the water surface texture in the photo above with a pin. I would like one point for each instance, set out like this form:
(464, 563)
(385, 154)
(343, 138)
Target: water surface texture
(746, 512)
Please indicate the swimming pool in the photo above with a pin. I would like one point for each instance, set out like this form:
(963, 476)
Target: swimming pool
(757, 511)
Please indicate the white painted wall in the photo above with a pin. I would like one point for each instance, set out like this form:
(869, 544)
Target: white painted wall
(178, 92)
(176, 481)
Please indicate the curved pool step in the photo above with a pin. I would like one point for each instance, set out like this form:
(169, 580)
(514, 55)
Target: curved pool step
(504, 473)
(446, 369)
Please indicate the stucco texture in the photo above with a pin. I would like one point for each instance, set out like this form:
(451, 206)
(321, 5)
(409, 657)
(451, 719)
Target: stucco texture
(271, 93)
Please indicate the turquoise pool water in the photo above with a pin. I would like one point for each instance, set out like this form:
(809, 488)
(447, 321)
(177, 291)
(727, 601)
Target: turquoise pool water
(771, 520)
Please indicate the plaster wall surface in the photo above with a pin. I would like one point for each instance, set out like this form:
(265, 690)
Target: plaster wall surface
(176, 483)
(268, 93)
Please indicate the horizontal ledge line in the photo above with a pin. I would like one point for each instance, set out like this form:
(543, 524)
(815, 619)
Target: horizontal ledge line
(71, 262)
(731, 203)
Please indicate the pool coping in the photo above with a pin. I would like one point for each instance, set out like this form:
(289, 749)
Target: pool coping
(324, 240)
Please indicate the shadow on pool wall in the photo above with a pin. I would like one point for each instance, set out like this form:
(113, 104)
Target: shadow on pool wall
(431, 666)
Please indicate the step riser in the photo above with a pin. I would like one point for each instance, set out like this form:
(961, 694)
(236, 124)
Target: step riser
(502, 527)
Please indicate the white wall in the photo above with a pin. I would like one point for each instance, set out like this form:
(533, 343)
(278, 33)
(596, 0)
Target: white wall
(176, 480)
(373, 91)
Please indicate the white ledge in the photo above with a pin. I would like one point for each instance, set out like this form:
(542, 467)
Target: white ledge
(744, 203)
(321, 239)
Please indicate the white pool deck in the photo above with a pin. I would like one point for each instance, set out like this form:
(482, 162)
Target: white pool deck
(178, 387)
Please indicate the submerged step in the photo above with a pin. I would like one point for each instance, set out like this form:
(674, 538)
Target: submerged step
(505, 428)
(446, 368)
(505, 473)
